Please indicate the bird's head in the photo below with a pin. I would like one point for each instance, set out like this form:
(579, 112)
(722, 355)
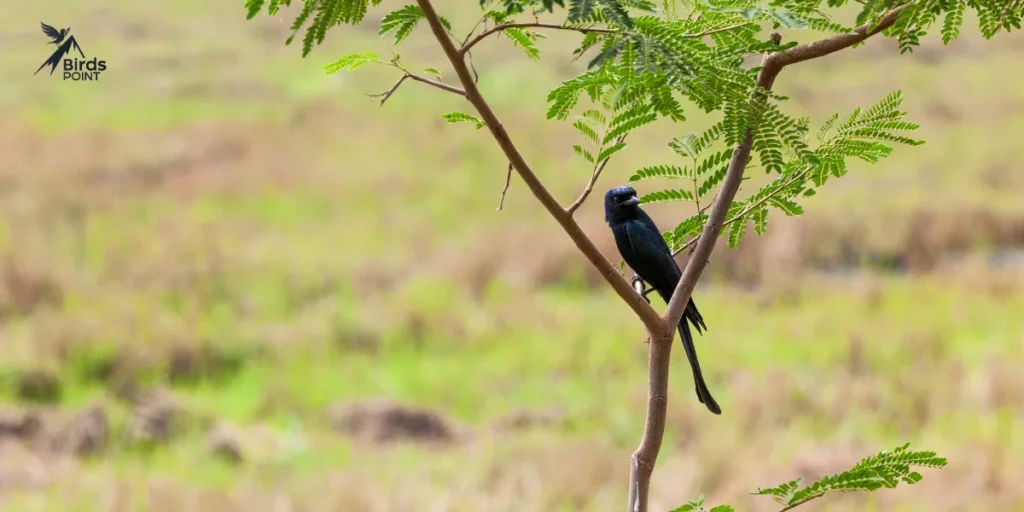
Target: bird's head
(620, 203)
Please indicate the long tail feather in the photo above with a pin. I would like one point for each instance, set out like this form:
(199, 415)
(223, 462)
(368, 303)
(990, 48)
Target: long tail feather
(703, 393)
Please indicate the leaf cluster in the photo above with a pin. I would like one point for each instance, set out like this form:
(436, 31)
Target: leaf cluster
(783, 148)
(882, 470)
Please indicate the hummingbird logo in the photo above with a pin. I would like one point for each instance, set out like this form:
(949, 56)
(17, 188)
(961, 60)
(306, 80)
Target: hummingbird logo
(65, 43)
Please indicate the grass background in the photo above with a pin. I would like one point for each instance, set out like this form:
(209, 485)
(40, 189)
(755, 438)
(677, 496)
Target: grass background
(216, 219)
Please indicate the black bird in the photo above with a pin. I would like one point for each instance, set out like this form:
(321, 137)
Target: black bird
(52, 33)
(642, 247)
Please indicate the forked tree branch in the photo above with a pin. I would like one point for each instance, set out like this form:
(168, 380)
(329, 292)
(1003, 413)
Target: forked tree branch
(647, 454)
(772, 65)
(642, 309)
(440, 85)
(593, 179)
(660, 330)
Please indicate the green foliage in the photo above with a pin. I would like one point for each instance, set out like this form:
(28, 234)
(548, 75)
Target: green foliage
(403, 21)
(462, 117)
(606, 133)
(525, 39)
(697, 505)
(783, 149)
(350, 62)
(883, 470)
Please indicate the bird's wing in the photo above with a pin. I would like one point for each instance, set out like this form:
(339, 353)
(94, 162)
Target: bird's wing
(50, 31)
(656, 241)
(652, 254)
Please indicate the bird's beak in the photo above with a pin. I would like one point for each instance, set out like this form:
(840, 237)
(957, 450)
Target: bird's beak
(632, 201)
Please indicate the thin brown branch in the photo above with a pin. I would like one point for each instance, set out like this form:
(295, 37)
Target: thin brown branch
(715, 31)
(795, 505)
(1006, 9)
(391, 90)
(583, 30)
(483, 19)
(499, 28)
(823, 47)
(642, 309)
(440, 85)
(508, 180)
(593, 179)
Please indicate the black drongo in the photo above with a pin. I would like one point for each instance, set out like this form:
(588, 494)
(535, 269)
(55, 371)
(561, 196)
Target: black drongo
(645, 251)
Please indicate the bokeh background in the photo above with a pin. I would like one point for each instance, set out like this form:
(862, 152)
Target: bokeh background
(231, 283)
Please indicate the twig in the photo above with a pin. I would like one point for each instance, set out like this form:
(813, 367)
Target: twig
(483, 35)
(1002, 16)
(715, 31)
(391, 90)
(593, 179)
(508, 179)
(472, 67)
(795, 505)
(642, 309)
(833, 44)
(440, 85)
(583, 30)
(483, 19)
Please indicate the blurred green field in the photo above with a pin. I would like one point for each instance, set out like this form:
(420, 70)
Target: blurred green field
(217, 250)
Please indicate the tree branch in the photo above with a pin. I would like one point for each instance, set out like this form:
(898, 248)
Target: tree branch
(646, 454)
(642, 309)
(823, 47)
(508, 180)
(583, 30)
(593, 179)
(443, 86)
(772, 65)
(795, 505)
(493, 30)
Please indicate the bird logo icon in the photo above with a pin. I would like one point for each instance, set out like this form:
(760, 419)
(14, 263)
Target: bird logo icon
(65, 43)
(52, 33)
